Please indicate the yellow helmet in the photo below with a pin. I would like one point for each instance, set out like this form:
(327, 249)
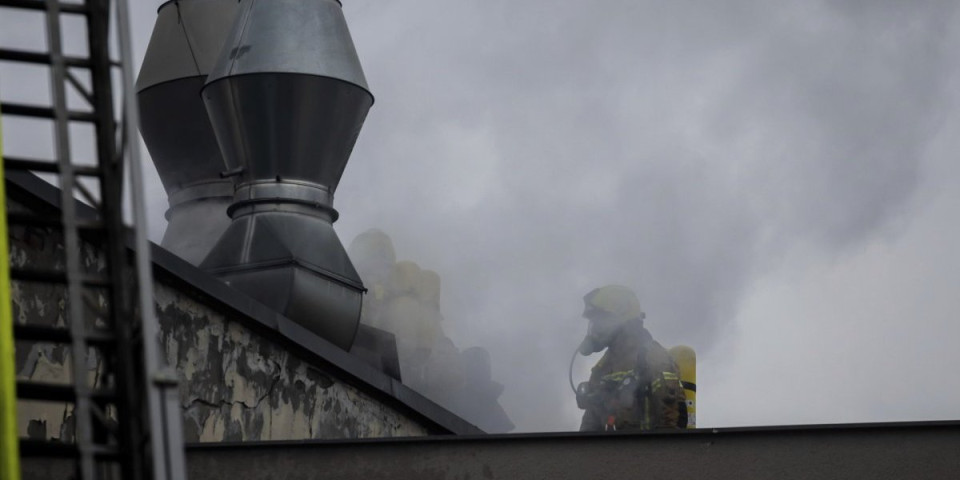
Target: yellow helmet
(616, 301)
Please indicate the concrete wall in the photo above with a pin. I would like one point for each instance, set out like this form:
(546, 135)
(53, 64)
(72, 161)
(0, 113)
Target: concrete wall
(44, 304)
(236, 384)
(239, 386)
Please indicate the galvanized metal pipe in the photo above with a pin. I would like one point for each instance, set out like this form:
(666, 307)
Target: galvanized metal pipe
(187, 37)
(286, 99)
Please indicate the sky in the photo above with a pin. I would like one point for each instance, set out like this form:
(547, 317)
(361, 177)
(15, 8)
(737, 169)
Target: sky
(776, 180)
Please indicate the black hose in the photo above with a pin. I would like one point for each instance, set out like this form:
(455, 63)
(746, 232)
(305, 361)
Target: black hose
(574, 357)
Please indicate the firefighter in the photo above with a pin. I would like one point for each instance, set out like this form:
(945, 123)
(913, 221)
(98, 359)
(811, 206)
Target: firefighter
(636, 384)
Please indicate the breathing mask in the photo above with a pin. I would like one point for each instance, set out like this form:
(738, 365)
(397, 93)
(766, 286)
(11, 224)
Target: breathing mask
(601, 331)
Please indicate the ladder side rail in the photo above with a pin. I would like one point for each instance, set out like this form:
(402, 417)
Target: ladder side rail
(9, 445)
(163, 399)
(127, 365)
(83, 434)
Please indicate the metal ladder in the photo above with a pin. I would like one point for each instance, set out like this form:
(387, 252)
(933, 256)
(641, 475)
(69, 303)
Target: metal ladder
(127, 425)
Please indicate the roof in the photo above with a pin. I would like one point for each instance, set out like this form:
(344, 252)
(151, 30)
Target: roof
(35, 193)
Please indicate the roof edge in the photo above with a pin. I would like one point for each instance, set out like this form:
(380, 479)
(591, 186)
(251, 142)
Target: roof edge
(352, 370)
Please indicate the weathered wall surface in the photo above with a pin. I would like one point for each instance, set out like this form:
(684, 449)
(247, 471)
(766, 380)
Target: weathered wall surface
(235, 385)
(44, 304)
(238, 386)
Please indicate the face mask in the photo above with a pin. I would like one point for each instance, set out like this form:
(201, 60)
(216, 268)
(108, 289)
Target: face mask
(588, 346)
(599, 336)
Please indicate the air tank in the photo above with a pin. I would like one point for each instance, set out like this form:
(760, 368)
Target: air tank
(186, 40)
(686, 360)
(287, 99)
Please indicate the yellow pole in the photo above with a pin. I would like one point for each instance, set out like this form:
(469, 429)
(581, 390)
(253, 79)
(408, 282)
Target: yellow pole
(9, 442)
(686, 360)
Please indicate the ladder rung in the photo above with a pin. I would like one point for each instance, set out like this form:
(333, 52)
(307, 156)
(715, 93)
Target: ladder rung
(44, 112)
(41, 58)
(48, 448)
(77, 8)
(41, 333)
(27, 390)
(34, 220)
(25, 275)
(44, 448)
(104, 451)
(33, 165)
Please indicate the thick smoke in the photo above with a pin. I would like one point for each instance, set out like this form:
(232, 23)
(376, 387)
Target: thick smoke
(531, 151)
(404, 299)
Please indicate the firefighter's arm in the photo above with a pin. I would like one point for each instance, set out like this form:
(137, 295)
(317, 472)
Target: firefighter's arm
(668, 399)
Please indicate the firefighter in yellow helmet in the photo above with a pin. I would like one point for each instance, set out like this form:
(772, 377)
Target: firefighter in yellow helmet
(636, 384)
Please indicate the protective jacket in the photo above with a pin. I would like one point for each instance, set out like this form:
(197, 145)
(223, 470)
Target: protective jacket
(635, 385)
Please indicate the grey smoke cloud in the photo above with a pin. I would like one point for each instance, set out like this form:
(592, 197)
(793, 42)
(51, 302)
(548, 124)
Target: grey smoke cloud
(681, 150)
(708, 154)
(529, 152)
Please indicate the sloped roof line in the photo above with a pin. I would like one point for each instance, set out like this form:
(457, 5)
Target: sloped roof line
(35, 192)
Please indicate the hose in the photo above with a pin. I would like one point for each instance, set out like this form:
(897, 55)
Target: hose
(570, 371)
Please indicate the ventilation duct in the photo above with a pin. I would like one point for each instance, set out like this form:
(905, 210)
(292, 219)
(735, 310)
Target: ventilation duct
(186, 40)
(287, 99)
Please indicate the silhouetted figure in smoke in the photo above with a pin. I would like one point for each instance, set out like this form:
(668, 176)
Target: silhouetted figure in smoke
(636, 384)
(480, 394)
(404, 299)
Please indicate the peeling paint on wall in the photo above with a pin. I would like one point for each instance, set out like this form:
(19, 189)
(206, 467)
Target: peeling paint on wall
(44, 304)
(238, 386)
(235, 384)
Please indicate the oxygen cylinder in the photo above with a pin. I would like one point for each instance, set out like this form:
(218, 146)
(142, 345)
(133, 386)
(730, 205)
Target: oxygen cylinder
(686, 360)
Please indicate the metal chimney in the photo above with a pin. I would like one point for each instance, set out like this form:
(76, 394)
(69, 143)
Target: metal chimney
(186, 40)
(287, 99)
